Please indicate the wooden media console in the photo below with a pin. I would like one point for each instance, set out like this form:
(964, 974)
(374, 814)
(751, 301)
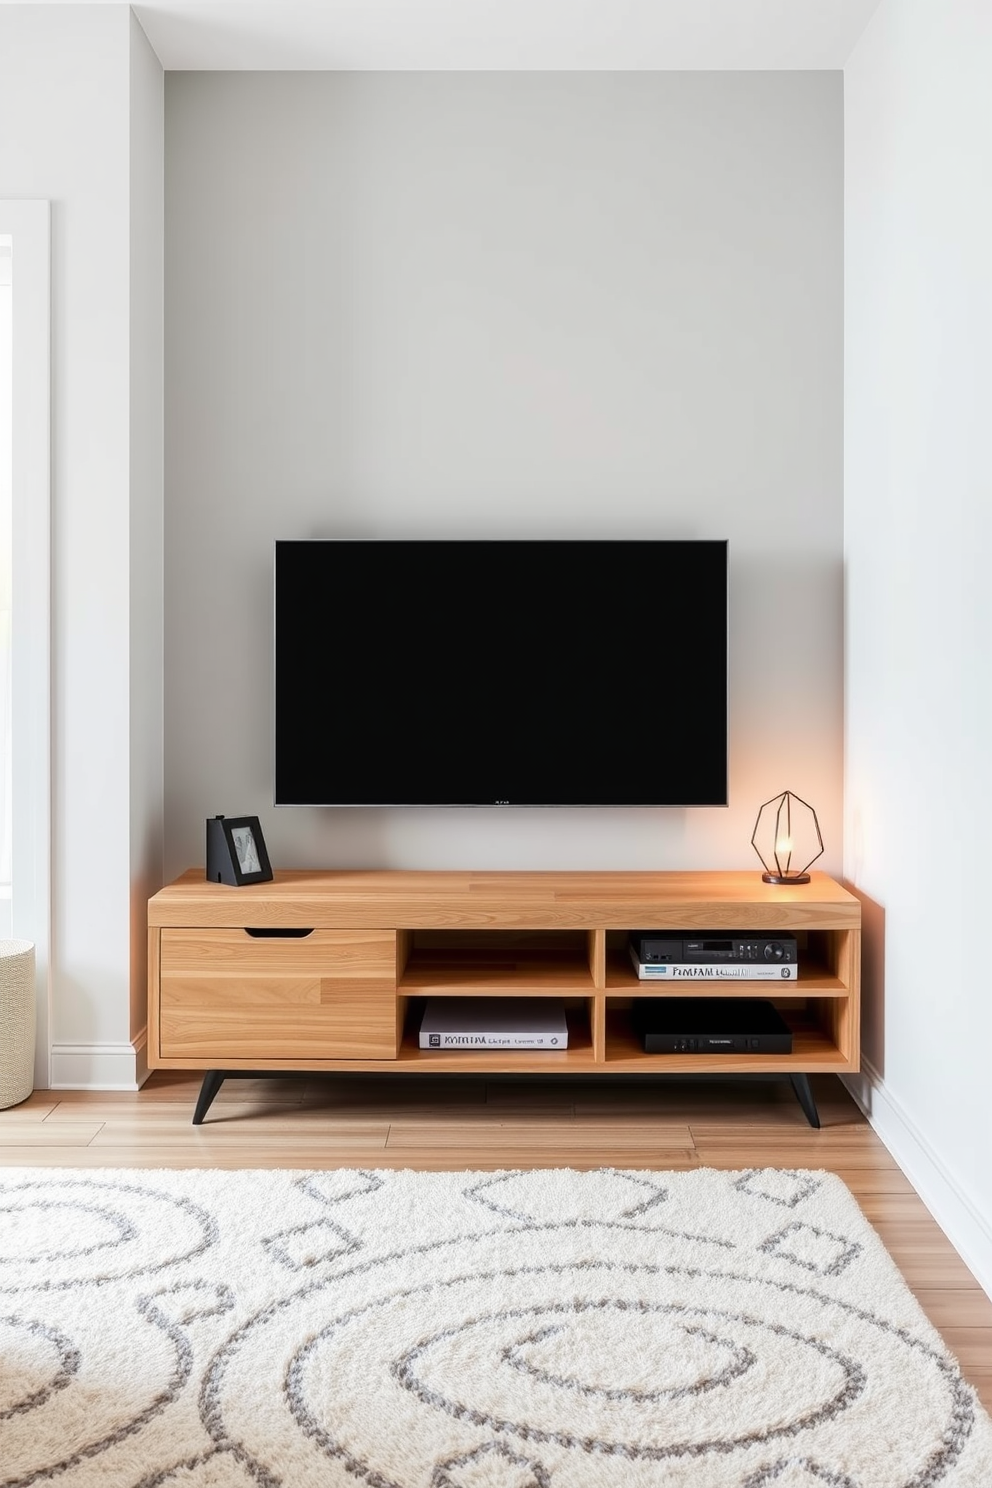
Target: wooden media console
(330, 970)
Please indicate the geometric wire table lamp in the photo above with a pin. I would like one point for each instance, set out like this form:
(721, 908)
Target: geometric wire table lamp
(785, 832)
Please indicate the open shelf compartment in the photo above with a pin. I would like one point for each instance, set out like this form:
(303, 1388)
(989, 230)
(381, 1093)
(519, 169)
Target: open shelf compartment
(494, 963)
(580, 1018)
(820, 1043)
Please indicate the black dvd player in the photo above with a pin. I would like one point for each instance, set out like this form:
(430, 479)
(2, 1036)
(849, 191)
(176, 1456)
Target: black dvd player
(711, 1025)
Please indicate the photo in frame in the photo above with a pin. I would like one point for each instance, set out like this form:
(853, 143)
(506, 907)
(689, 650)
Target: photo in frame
(236, 852)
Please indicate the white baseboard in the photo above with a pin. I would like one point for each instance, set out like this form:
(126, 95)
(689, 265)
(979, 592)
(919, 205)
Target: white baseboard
(967, 1230)
(99, 1066)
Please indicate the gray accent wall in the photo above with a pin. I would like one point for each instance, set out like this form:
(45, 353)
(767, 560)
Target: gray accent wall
(497, 305)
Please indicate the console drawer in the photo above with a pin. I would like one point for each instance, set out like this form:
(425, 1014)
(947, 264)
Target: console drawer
(228, 995)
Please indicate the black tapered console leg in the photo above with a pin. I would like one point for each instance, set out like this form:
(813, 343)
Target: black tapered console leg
(804, 1095)
(212, 1081)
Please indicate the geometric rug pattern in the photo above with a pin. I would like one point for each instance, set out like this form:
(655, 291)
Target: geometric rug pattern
(397, 1329)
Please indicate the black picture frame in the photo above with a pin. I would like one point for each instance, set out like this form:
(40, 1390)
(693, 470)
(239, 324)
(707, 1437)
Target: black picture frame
(236, 851)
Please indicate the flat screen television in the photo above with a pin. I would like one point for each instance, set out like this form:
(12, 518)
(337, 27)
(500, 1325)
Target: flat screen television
(501, 672)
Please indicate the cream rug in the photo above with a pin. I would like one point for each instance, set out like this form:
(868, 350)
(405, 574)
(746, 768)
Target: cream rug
(553, 1329)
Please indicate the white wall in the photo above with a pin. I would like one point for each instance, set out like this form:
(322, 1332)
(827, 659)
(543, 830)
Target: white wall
(6, 531)
(26, 226)
(503, 304)
(918, 533)
(147, 477)
(66, 91)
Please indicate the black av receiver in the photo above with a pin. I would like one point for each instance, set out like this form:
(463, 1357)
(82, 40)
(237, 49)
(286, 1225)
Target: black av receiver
(714, 946)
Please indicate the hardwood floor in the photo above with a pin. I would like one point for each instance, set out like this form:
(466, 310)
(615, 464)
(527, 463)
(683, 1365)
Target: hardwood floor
(450, 1122)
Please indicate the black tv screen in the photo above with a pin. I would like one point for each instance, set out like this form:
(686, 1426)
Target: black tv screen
(506, 672)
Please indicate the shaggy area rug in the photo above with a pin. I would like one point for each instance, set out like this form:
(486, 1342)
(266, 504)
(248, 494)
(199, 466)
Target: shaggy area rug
(555, 1329)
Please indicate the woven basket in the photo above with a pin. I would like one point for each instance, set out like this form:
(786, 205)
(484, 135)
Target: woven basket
(17, 1021)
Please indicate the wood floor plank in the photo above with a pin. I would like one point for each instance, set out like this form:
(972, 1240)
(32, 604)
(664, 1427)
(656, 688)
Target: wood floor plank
(428, 1115)
(259, 1126)
(972, 1347)
(185, 1092)
(540, 1118)
(556, 1137)
(865, 1182)
(895, 1207)
(321, 1143)
(982, 1380)
(37, 1106)
(268, 1113)
(937, 1270)
(775, 1117)
(795, 1155)
(915, 1240)
(372, 1090)
(581, 1158)
(763, 1134)
(946, 1308)
(245, 1156)
(48, 1134)
(61, 1156)
(175, 1116)
(776, 1107)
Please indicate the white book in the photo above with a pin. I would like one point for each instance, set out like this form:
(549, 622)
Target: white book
(713, 971)
(494, 1023)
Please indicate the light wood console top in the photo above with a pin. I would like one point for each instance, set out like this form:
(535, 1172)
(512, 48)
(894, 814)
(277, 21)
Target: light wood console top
(538, 900)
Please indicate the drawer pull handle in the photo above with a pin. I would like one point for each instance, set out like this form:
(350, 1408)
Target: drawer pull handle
(273, 934)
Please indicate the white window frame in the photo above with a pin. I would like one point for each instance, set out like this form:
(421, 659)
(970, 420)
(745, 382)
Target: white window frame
(28, 223)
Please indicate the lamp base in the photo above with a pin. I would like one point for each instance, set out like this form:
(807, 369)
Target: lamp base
(785, 878)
